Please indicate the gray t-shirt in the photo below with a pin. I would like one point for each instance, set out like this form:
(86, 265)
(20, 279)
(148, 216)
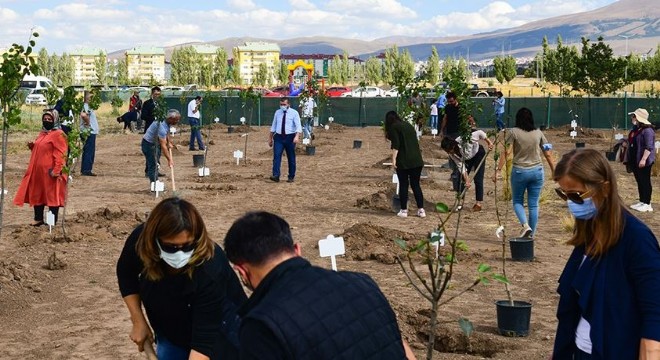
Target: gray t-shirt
(527, 146)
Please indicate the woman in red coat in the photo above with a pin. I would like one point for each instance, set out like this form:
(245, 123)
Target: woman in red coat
(44, 183)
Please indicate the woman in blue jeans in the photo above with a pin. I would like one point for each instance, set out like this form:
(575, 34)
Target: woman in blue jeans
(527, 143)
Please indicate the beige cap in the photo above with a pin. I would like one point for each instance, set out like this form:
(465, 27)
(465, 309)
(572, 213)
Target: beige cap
(641, 115)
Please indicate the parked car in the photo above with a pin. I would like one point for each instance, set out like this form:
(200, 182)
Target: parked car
(36, 97)
(278, 91)
(391, 93)
(366, 91)
(335, 91)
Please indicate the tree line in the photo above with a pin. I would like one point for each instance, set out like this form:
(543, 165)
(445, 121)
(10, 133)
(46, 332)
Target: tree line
(592, 68)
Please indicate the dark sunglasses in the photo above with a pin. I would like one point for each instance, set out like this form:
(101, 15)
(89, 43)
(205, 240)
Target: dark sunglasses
(574, 196)
(171, 249)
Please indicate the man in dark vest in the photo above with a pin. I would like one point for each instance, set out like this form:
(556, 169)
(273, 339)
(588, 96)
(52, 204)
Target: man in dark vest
(300, 311)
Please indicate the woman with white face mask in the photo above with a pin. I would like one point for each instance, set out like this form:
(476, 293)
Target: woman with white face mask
(172, 268)
(609, 291)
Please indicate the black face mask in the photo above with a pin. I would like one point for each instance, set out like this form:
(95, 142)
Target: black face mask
(48, 125)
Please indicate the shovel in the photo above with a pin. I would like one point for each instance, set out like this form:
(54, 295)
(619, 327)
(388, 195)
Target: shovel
(172, 174)
(396, 201)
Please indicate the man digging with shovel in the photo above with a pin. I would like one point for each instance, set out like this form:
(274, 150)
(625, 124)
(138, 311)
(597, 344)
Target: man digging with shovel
(157, 134)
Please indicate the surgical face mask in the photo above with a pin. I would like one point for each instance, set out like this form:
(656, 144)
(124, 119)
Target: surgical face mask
(176, 260)
(584, 211)
(48, 125)
(284, 107)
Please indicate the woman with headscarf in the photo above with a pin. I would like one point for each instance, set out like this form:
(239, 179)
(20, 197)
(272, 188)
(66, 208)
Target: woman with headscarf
(44, 183)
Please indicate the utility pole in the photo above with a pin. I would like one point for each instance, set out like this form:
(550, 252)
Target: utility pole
(625, 74)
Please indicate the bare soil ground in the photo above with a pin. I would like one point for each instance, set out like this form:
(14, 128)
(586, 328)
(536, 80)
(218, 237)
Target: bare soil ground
(58, 292)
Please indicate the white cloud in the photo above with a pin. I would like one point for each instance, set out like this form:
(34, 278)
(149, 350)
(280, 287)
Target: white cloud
(302, 5)
(371, 8)
(7, 15)
(242, 5)
(82, 11)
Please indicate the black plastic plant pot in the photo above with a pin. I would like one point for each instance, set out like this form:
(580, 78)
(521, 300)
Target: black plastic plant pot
(513, 320)
(357, 144)
(198, 160)
(310, 150)
(230, 130)
(522, 249)
(610, 155)
(579, 144)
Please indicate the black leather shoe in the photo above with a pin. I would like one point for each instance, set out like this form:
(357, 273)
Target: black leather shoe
(275, 179)
(88, 174)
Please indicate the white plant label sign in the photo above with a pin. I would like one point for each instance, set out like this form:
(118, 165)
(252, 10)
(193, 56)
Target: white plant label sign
(434, 132)
(327, 127)
(618, 137)
(50, 220)
(238, 155)
(204, 171)
(172, 130)
(217, 119)
(573, 134)
(158, 186)
(305, 141)
(242, 120)
(331, 119)
(573, 124)
(657, 147)
(332, 246)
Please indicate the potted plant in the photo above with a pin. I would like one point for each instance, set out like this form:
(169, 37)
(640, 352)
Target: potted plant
(513, 317)
(431, 254)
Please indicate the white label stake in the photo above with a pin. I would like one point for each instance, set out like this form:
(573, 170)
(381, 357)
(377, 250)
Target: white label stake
(216, 120)
(332, 246)
(172, 130)
(204, 171)
(50, 220)
(158, 187)
(573, 134)
(434, 132)
(238, 155)
(573, 124)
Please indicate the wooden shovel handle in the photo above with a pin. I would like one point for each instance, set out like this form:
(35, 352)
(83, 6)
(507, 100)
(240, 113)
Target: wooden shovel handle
(149, 350)
(172, 172)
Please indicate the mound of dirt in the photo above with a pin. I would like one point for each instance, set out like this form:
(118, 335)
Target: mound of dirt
(17, 275)
(448, 336)
(379, 164)
(244, 129)
(365, 241)
(225, 188)
(382, 201)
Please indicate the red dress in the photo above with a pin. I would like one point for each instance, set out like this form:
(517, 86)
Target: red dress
(38, 187)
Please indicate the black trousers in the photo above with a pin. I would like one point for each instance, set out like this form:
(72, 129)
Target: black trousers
(410, 177)
(643, 178)
(479, 176)
(39, 212)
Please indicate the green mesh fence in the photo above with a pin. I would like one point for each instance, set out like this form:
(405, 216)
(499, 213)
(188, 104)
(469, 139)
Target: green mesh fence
(589, 112)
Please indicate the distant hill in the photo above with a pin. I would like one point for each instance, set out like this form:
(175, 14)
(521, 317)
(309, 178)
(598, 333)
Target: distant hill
(639, 20)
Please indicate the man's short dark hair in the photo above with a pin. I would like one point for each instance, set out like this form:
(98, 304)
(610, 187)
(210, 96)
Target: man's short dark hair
(257, 237)
(155, 88)
(198, 97)
(450, 95)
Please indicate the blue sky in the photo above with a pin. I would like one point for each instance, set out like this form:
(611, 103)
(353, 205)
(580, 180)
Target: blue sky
(118, 24)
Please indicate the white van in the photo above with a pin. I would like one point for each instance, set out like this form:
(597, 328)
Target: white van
(35, 82)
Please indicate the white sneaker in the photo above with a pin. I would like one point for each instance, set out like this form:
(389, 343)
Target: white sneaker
(421, 213)
(644, 208)
(526, 232)
(402, 213)
(636, 205)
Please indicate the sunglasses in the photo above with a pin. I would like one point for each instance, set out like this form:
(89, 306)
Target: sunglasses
(171, 249)
(574, 196)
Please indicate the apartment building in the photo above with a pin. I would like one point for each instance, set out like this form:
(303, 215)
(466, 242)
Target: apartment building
(251, 55)
(84, 60)
(207, 52)
(146, 63)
